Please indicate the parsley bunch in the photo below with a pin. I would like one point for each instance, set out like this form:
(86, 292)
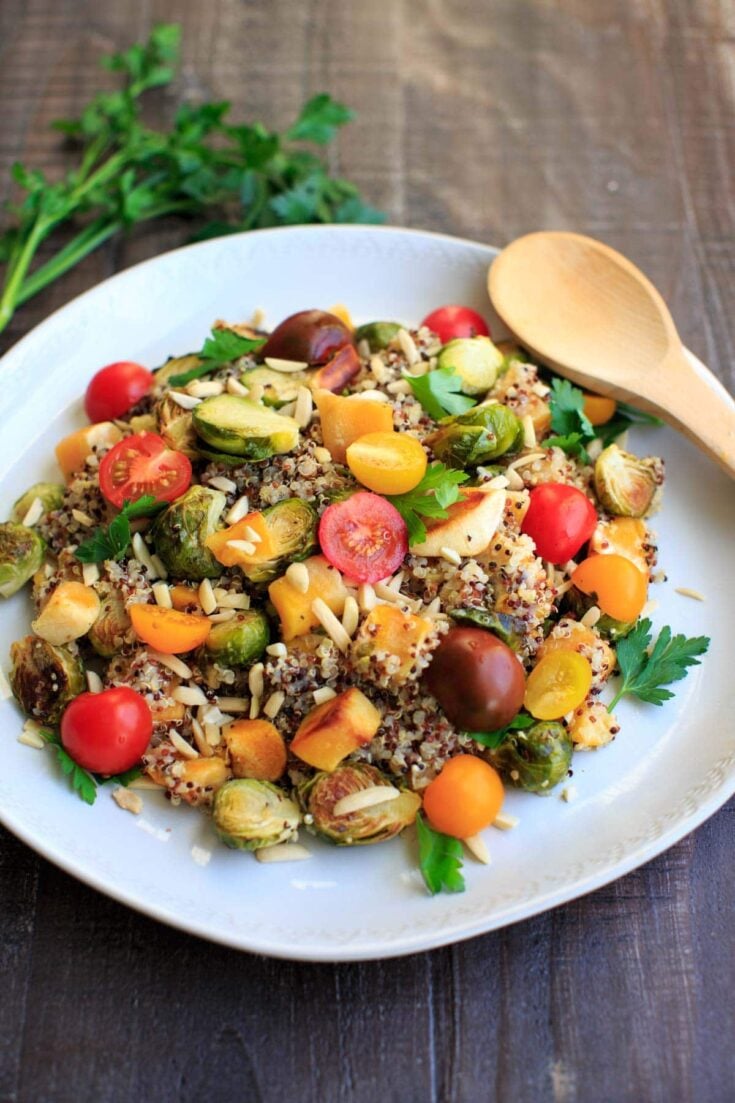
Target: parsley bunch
(438, 489)
(112, 542)
(82, 782)
(238, 176)
(495, 738)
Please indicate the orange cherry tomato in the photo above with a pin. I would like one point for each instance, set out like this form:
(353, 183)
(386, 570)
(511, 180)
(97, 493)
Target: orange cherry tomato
(617, 585)
(388, 463)
(465, 797)
(598, 409)
(167, 630)
(557, 684)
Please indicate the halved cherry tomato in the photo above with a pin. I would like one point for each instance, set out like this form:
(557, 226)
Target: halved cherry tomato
(559, 520)
(167, 630)
(599, 409)
(107, 732)
(113, 390)
(364, 537)
(449, 322)
(619, 587)
(388, 463)
(465, 797)
(143, 464)
(557, 684)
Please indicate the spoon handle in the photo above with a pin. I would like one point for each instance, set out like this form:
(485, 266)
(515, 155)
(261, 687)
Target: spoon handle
(702, 412)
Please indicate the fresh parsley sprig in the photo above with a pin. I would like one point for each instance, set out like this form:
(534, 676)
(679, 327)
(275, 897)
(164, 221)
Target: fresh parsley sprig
(439, 392)
(440, 859)
(229, 176)
(112, 542)
(438, 489)
(624, 417)
(221, 347)
(495, 738)
(645, 670)
(82, 782)
(573, 430)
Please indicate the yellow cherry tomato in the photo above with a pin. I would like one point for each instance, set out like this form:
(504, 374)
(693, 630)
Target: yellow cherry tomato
(464, 798)
(598, 409)
(388, 463)
(618, 586)
(167, 630)
(557, 685)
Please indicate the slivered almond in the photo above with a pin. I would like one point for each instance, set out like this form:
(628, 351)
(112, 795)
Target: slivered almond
(185, 401)
(234, 601)
(129, 802)
(189, 695)
(94, 682)
(478, 848)
(505, 822)
(221, 482)
(365, 798)
(350, 616)
(330, 624)
(90, 574)
(171, 662)
(244, 546)
(33, 514)
(239, 510)
(162, 594)
(286, 366)
(283, 852)
(207, 600)
(297, 575)
(180, 744)
(234, 386)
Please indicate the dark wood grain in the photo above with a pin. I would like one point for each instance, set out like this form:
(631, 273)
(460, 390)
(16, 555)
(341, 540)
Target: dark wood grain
(483, 119)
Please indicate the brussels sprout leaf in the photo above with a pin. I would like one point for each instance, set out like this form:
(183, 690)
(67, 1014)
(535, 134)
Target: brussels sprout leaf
(645, 670)
(81, 782)
(440, 859)
(439, 393)
(438, 489)
(495, 738)
(113, 542)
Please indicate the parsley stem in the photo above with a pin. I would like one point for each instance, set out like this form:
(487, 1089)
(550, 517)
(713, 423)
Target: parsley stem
(13, 283)
(616, 698)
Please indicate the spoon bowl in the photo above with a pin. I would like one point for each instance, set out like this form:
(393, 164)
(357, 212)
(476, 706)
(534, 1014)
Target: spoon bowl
(586, 311)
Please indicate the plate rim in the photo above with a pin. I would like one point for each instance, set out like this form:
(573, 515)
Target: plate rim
(402, 944)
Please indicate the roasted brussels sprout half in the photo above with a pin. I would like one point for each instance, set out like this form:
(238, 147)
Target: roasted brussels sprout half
(21, 554)
(250, 814)
(377, 334)
(239, 641)
(112, 630)
(371, 824)
(175, 426)
(51, 495)
(507, 628)
(235, 425)
(293, 524)
(278, 387)
(535, 759)
(483, 433)
(44, 678)
(180, 532)
(475, 360)
(175, 365)
(625, 484)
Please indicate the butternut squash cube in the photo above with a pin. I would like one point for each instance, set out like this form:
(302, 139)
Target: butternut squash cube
(257, 749)
(294, 607)
(344, 420)
(387, 628)
(335, 729)
(626, 536)
(68, 614)
(264, 549)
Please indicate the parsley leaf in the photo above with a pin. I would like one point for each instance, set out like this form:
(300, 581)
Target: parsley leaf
(623, 418)
(495, 738)
(123, 779)
(81, 782)
(113, 542)
(567, 410)
(439, 392)
(645, 670)
(319, 119)
(438, 489)
(440, 859)
(573, 444)
(221, 347)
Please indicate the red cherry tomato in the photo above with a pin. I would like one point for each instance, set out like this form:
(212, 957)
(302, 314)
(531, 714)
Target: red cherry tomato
(560, 519)
(107, 732)
(449, 322)
(364, 537)
(143, 464)
(113, 390)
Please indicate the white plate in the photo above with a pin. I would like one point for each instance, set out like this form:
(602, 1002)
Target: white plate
(667, 771)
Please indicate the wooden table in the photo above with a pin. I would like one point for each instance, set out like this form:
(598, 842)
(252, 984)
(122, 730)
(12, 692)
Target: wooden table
(483, 118)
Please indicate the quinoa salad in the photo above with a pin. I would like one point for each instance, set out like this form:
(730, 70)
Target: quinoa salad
(337, 581)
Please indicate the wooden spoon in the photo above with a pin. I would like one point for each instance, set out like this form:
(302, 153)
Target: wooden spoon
(590, 314)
